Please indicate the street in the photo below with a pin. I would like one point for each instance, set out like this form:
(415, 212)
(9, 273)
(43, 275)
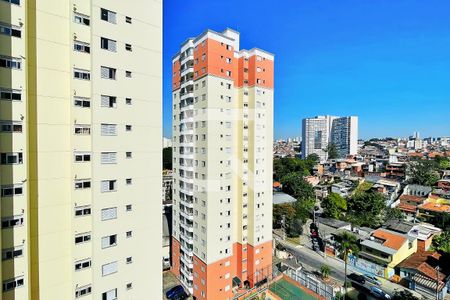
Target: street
(312, 260)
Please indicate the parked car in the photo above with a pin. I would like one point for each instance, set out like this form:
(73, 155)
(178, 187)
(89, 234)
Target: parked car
(379, 293)
(180, 296)
(357, 278)
(178, 289)
(372, 279)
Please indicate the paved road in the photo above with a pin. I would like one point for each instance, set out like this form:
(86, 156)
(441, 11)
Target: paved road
(314, 260)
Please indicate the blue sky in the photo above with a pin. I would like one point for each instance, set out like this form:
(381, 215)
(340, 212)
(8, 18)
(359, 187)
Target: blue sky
(386, 61)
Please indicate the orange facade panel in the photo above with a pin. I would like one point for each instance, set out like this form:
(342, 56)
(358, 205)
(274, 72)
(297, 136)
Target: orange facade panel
(259, 262)
(176, 75)
(175, 269)
(212, 57)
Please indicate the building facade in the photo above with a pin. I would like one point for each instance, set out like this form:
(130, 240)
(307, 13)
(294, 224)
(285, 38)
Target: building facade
(222, 164)
(80, 89)
(319, 132)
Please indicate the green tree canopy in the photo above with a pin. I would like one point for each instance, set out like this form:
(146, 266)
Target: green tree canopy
(404, 295)
(283, 212)
(423, 172)
(366, 208)
(393, 213)
(441, 242)
(297, 187)
(334, 205)
(332, 151)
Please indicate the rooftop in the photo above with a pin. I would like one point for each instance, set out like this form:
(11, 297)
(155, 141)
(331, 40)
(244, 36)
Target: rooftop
(435, 207)
(389, 238)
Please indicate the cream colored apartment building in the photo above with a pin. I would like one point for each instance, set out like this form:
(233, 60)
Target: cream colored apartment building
(80, 173)
(222, 168)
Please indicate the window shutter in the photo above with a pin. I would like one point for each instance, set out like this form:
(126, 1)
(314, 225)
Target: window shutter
(109, 213)
(112, 17)
(112, 45)
(105, 72)
(105, 185)
(106, 270)
(105, 101)
(105, 242)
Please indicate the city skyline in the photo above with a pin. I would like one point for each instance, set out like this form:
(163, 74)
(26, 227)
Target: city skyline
(339, 69)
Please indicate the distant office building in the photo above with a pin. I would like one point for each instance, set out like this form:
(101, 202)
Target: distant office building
(321, 131)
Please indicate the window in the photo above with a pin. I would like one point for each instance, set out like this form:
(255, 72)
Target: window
(12, 253)
(81, 19)
(128, 19)
(128, 74)
(108, 44)
(83, 211)
(81, 102)
(10, 30)
(82, 237)
(129, 286)
(10, 126)
(128, 154)
(129, 234)
(11, 158)
(108, 73)
(108, 185)
(82, 129)
(129, 260)
(128, 127)
(10, 62)
(83, 291)
(129, 181)
(110, 295)
(10, 95)
(12, 284)
(108, 269)
(82, 184)
(128, 101)
(13, 1)
(128, 47)
(129, 207)
(81, 47)
(109, 241)
(228, 60)
(11, 190)
(108, 16)
(81, 74)
(109, 213)
(11, 222)
(228, 73)
(82, 264)
(108, 129)
(82, 156)
(108, 101)
(109, 157)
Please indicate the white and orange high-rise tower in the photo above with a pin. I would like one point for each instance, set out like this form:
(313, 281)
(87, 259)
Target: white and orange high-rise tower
(222, 163)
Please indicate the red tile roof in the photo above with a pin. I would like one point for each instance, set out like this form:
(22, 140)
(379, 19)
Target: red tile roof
(425, 263)
(412, 198)
(391, 240)
(407, 207)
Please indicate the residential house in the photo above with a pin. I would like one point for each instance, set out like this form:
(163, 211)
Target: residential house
(383, 251)
(427, 273)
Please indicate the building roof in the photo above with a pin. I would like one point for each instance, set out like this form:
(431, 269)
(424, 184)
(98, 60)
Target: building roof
(279, 198)
(399, 226)
(407, 207)
(389, 238)
(425, 263)
(333, 223)
(412, 198)
(435, 207)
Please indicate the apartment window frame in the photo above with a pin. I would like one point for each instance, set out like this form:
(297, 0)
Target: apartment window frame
(13, 283)
(15, 2)
(82, 184)
(80, 156)
(82, 211)
(11, 126)
(83, 291)
(13, 188)
(128, 101)
(109, 213)
(108, 129)
(13, 221)
(108, 15)
(82, 47)
(110, 295)
(81, 238)
(128, 20)
(108, 186)
(82, 102)
(9, 62)
(82, 264)
(11, 158)
(128, 74)
(81, 19)
(109, 241)
(108, 44)
(108, 73)
(128, 47)
(81, 74)
(108, 157)
(12, 253)
(108, 101)
(82, 129)
(10, 93)
(10, 30)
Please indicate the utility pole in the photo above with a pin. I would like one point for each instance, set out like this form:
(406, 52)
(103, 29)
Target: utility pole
(437, 282)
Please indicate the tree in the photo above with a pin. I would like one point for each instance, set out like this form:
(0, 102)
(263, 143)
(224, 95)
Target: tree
(347, 244)
(294, 228)
(393, 213)
(167, 158)
(366, 208)
(284, 212)
(423, 172)
(442, 162)
(332, 151)
(334, 205)
(404, 295)
(297, 187)
(313, 158)
(325, 271)
(441, 242)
